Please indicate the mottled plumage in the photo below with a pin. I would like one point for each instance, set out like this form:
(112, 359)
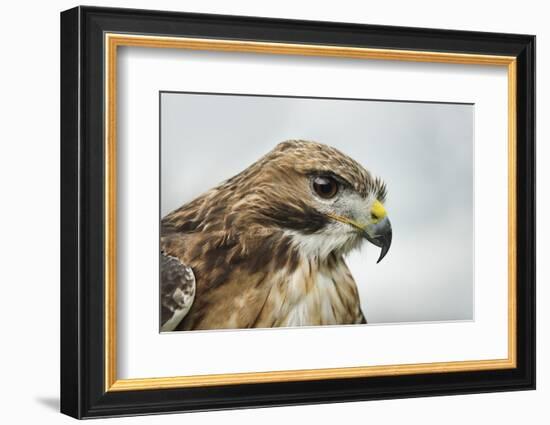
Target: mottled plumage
(178, 291)
(267, 250)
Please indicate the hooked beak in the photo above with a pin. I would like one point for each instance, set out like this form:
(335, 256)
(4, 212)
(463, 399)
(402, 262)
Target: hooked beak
(380, 234)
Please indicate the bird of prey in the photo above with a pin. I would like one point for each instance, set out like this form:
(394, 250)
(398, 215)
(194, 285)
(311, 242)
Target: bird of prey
(266, 248)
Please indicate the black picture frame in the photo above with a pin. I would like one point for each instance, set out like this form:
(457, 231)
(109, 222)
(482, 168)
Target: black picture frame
(83, 392)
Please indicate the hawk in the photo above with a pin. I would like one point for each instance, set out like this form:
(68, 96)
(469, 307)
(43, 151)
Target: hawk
(266, 248)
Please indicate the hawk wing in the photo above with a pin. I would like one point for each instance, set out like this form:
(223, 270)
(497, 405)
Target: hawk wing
(177, 291)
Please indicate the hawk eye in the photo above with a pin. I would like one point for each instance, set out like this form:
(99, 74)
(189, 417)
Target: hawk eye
(325, 186)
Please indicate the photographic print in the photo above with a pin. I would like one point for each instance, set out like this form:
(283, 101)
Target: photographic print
(300, 211)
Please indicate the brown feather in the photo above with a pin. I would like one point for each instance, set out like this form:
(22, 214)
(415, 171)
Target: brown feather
(248, 271)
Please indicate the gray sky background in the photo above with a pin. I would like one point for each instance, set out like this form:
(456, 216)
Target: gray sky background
(423, 151)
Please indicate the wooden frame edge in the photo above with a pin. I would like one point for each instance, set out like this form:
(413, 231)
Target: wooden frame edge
(114, 40)
(137, 384)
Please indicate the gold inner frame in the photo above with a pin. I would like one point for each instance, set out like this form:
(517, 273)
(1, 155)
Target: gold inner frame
(113, 41)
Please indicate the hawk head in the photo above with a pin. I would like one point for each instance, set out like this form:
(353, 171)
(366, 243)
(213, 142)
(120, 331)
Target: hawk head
(320, 198)
(259, 243)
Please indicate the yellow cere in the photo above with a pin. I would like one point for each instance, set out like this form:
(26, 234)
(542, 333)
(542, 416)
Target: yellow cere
(378, 210)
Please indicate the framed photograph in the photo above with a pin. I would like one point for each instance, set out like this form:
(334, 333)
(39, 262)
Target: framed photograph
(261, 212)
